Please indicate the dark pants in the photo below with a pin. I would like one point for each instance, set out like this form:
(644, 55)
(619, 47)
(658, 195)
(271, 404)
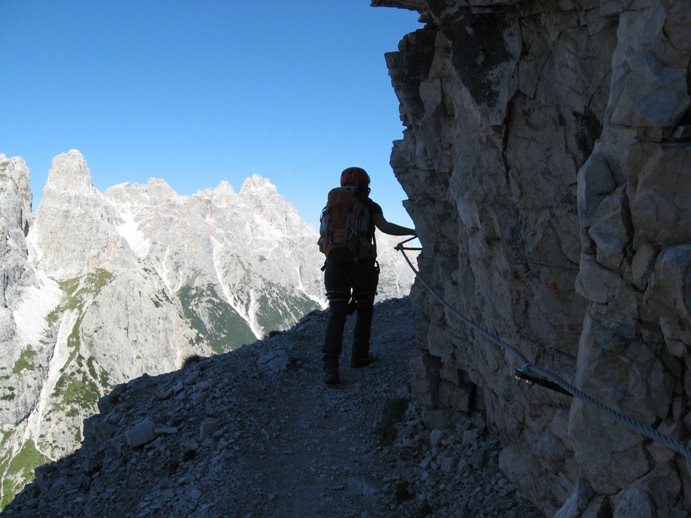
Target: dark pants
(341, 278)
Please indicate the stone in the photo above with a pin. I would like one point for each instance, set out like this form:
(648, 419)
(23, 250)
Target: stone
(426, 374)
(661, 201)
(558, 163)
(642, 265)
(141, 433)
(208, 428)
(654, 92)
(595, 282)
(611, 230)
(424, 464)
(274, 362)
(448, 464)
(435, 436)
(435, 419)
(595, 182)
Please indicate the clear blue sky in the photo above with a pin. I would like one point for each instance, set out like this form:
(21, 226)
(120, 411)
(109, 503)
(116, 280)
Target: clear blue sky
(199, 91)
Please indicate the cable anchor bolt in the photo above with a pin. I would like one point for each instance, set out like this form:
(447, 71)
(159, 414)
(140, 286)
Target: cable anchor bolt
(521, 375)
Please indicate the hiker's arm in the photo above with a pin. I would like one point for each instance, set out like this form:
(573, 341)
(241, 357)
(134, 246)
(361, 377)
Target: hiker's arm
(391, 228)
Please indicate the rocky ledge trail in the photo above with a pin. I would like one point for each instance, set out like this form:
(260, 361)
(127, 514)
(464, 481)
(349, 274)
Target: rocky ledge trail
(257, 433)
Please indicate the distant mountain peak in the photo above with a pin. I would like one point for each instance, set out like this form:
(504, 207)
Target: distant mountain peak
(225, 188)
(69, 172)
(160, 186)
(256, 183)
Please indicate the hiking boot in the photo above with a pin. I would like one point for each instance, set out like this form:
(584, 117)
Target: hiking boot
(356, 363)
(331, 377)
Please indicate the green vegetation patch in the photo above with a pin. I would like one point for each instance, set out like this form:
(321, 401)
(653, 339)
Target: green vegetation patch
(214, 319)
(24, 362)
(80, 390)
(280, 307)
(76, 290)
(19, 470)
(161, 298)
(10, 394)
(53, 316)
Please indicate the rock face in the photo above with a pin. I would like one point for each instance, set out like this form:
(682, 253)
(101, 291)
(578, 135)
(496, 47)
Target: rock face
(546, 159)
(105, 287)
(15, 218)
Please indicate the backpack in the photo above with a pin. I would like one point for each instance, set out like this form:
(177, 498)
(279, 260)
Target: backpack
(344, 223)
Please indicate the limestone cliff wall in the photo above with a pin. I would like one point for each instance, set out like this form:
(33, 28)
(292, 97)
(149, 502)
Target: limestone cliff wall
(15, 218)
(547, 157)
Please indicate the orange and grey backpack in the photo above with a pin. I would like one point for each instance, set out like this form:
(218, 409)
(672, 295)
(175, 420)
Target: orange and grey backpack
(345, 223)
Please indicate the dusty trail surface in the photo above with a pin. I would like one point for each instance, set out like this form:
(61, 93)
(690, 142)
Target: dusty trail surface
(257, 433)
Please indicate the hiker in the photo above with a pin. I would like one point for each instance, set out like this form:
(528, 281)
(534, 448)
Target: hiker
(351, 271)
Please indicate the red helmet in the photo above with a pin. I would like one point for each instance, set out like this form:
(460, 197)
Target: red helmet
(355, 175)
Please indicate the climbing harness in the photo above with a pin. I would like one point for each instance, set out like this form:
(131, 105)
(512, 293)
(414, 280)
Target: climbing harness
(532, 374)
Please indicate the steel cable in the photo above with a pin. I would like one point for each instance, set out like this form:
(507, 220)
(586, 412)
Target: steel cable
(527, 368)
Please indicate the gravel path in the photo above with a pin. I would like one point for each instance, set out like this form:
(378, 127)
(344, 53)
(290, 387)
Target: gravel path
(257, 433)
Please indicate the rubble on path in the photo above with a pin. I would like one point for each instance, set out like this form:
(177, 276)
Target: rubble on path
(256, 433)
